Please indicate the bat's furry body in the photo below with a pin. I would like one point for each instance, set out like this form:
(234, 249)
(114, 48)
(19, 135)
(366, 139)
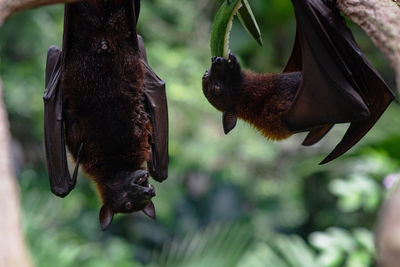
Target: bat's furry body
(103, 93)
(259, 99)
(106, 104)
(264, 100)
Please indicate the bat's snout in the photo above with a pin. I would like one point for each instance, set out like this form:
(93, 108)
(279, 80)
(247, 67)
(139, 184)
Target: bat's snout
(149, 192)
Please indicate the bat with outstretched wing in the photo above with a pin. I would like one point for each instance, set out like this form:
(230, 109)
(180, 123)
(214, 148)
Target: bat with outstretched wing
(109, 108)
(327, 80)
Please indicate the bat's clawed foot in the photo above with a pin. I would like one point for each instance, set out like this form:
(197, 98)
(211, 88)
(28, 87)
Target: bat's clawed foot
(217, 60)
(221, 66)
(232, 61)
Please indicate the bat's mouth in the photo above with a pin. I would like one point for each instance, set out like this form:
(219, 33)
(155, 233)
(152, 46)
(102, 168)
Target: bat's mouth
(141, 178)
(143, 181)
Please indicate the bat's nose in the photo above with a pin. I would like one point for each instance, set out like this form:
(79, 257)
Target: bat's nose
(149, 192)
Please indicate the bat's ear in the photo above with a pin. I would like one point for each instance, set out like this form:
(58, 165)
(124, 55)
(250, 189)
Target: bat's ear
(149, 210)
(106, 216)
(229, 120)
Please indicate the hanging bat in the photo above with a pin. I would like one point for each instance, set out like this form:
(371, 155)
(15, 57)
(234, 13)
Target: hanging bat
(327, 80)
(106, 104)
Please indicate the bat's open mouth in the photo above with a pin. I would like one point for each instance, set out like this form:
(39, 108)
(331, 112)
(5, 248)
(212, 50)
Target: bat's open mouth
(143, 181)
(141, 178)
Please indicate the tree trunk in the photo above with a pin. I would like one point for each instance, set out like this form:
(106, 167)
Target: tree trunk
(388, 231)
(9, 7)
(380, 19)
(12, 246)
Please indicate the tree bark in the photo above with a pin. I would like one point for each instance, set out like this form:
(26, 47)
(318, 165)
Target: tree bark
(380, 19)
(388, 231)
(10, 7)
(12, 246)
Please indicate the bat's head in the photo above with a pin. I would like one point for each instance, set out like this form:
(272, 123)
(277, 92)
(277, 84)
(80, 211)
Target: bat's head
(222, 87)
(221, 83)
(132, 193)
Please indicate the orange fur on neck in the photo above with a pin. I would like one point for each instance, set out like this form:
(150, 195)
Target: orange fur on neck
(263, 102)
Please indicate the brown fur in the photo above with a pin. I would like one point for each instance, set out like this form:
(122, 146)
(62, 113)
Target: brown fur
(260, 99)
(103, 94)
(264, 99)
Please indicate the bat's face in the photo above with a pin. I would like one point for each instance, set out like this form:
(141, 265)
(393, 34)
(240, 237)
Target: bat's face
(137, 192)
(222, 82)
(134, 193)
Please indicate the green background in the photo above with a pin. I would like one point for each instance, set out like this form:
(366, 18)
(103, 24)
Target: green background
(236, 200)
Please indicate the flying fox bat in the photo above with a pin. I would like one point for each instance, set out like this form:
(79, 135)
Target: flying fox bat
(106, 104)
(327, 80)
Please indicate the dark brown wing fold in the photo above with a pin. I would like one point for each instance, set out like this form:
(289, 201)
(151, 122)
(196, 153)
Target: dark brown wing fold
(315, 135)
(338, 85)
(370, 84)
(154, 89)
(60, 179)
(325, 96)
(137, 9)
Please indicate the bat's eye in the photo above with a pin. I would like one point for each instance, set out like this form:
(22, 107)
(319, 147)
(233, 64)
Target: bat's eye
(128, 205)
(216, 89)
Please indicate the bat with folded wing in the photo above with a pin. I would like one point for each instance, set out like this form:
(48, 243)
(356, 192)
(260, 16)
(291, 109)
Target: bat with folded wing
(327, 80)
(109, 108)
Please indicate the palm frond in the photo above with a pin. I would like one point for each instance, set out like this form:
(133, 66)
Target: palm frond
(283, 251)
(217, 245)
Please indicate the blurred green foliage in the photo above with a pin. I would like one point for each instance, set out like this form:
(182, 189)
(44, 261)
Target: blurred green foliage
(239, 200)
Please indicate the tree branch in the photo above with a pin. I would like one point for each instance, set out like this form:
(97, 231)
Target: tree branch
(387, 237)
(380, 19)
(10, 7)
(13, 251)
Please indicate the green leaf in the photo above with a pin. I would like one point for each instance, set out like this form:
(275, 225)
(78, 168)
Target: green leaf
(249, 22)
(222, 26)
